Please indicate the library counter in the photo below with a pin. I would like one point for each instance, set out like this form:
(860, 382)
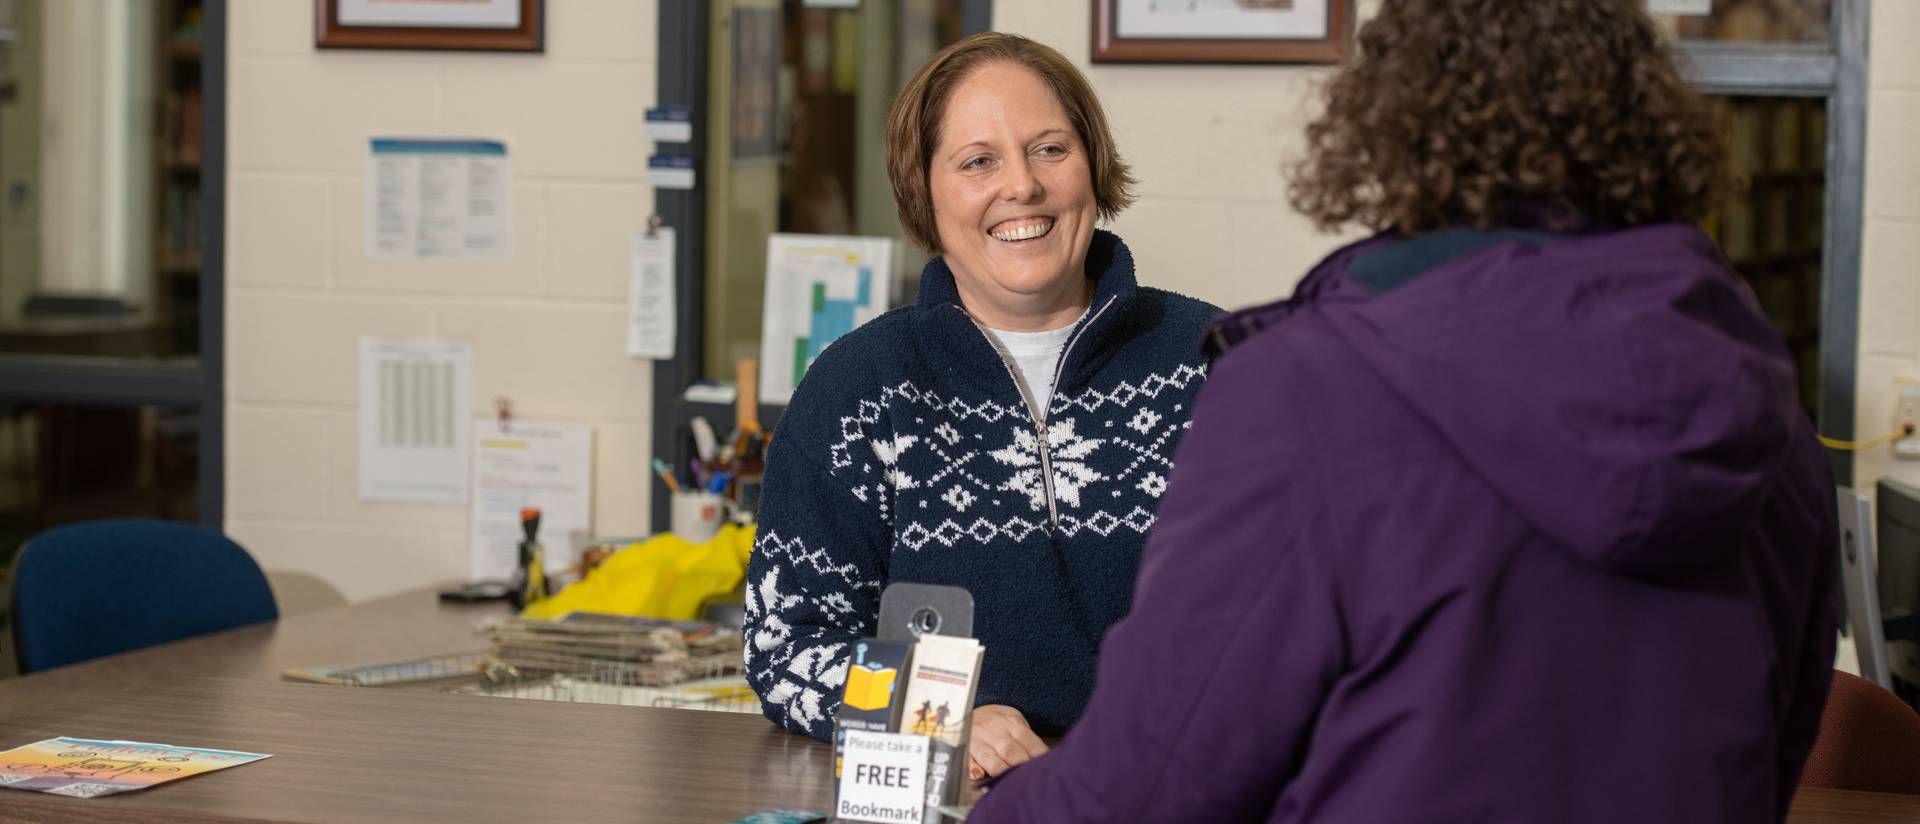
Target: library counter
(347, 754)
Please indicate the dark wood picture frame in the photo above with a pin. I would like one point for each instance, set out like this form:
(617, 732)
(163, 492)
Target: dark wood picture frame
(529, 36)
(1110, 47)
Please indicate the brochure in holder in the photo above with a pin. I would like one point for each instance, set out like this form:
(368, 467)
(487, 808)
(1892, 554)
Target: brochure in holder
(900, 738)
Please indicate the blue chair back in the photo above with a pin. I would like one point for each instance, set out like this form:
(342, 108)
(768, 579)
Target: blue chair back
(99, 588)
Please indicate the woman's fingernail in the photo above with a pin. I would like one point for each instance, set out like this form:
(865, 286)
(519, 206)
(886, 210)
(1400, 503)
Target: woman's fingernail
(975, 772)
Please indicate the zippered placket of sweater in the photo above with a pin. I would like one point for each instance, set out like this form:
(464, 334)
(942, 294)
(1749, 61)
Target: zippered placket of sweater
(1040, 415)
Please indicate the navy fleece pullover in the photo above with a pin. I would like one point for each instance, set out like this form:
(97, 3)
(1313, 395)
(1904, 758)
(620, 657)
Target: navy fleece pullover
(908, 454)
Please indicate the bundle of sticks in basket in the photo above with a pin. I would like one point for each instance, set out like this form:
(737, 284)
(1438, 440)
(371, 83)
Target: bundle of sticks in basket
(614, 649)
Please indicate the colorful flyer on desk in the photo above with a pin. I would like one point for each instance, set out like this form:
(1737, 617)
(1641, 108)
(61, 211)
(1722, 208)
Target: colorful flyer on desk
(82, 768)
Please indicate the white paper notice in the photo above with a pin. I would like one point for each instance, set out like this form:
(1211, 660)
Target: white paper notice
(439, 200)
(650, 303)
(416, 403)
(545, 465)
(819, 287)
(463, 14)
(1684, 8)
(1222, 19)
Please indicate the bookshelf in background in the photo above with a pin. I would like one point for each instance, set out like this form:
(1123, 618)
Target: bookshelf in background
(177, 249)
(1774, 230)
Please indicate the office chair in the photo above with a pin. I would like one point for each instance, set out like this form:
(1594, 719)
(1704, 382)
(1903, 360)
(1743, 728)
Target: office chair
(1869, 741)
(93, 589)
(298, 592)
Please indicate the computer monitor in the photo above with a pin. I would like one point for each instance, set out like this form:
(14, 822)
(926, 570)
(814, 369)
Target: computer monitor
(1861, 587)
(1897, 528)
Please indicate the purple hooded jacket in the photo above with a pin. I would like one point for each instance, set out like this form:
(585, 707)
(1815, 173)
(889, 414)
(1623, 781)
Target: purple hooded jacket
(1487, 527)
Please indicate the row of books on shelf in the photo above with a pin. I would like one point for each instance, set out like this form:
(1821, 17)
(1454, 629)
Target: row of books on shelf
(180, 226)
(181, 118)
(1791, 299)
(1776, 224)
(1777, 137)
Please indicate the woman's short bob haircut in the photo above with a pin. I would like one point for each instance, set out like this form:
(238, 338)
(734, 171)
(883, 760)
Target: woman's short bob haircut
(914, 122)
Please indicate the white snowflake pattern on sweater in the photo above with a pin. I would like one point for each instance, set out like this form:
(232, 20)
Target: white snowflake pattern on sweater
(1102, 445)
(947, 472)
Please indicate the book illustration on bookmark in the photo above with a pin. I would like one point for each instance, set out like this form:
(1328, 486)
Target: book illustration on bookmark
(870, 683)
(940, 688)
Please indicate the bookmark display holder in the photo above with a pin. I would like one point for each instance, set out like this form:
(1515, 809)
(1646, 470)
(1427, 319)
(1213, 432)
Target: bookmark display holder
(900, 737)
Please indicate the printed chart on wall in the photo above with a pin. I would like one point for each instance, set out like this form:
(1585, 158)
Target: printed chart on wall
(819, 287)
(439, 200)
(415, 402)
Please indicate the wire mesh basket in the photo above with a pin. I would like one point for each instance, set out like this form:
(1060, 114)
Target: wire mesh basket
(719, 687)
(439, 673)
(714, 695)
(703, 677)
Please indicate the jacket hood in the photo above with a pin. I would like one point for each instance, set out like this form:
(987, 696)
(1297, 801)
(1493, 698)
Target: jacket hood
(1620, 389)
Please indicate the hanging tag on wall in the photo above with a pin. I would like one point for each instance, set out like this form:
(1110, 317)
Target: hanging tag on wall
(650, 295)
(670, 124)
(670, 171)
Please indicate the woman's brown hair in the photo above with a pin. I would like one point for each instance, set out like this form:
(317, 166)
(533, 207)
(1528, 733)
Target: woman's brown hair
(1455, 111)
(914, 120)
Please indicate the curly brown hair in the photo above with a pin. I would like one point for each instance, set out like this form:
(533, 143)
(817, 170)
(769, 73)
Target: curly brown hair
(1455, 111)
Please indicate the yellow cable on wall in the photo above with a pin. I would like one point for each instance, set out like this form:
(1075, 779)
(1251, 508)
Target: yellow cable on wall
(1876, 443)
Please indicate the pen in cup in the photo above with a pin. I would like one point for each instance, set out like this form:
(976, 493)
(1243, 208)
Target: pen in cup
(666, 476)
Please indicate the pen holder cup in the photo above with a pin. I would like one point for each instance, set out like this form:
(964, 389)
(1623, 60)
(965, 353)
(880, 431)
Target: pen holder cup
(697, 516)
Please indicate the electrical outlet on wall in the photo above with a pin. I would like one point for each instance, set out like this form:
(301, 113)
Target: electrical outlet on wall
(1906, 417)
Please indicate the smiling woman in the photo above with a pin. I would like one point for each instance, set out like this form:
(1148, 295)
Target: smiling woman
(1009, 133)
(1010, 432)
(1008, 172)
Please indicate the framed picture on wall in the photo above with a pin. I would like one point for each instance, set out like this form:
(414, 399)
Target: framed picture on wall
(1221, 31)
(471, 25)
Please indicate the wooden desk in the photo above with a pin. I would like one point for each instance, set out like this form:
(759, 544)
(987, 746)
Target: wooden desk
(409, 625)
(1842, 807)
(370, 755)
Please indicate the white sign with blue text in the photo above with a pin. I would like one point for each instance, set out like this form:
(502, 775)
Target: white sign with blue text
(439, 200)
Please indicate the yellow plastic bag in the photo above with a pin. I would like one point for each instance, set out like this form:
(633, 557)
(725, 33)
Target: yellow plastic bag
(660, 577)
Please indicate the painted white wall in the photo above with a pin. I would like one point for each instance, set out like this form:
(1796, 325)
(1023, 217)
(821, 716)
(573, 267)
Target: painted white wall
(1209, 145)
(1890, 268)
(547, 327)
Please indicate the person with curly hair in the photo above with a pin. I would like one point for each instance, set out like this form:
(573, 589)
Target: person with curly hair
(1509, 514)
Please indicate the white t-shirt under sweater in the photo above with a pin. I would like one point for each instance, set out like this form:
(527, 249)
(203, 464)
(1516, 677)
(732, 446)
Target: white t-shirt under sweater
(1034, 357)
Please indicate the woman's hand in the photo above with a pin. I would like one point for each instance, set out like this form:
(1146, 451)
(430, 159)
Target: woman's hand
(1001, 740)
